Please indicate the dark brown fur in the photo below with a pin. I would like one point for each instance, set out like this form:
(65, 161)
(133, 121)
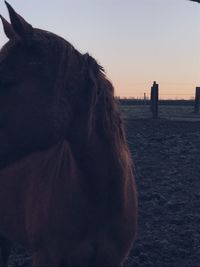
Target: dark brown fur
(66, 175)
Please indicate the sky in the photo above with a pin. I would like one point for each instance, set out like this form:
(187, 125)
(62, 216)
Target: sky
(136, 41)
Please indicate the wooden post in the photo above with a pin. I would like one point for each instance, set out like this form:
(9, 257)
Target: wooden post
(151, 98)
(154, 100)
(145, 98)
(197, 100)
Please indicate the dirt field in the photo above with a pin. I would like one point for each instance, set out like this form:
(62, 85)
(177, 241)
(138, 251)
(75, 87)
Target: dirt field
(167, 161)
(170, 112)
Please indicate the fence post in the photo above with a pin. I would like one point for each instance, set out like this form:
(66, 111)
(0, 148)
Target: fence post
(145, 99)
(154, 100)
(197, 100)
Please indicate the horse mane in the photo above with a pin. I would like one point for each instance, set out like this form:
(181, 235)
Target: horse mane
(111, 128)
(104, 105)
(98, 135)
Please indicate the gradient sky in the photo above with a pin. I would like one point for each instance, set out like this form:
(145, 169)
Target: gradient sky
(136, 41)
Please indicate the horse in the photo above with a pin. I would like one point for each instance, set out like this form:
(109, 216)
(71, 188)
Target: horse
(67, 183)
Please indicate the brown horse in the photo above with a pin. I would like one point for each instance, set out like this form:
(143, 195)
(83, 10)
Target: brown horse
(67, 189)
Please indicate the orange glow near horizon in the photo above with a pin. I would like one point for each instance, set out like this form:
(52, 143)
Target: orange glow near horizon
(166, 90)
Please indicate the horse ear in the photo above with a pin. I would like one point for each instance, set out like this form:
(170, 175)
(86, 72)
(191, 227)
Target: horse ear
(8, 29)
(22, 28)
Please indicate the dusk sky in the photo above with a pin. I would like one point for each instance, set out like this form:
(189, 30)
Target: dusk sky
(136, 41)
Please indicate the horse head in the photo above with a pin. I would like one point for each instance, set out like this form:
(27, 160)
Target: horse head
(41, 84)
(45, 84)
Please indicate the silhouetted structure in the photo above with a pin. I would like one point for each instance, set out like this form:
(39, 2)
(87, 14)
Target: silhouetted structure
(197, 100)
(154, 100)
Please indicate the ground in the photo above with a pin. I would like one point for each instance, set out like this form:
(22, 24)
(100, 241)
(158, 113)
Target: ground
(166, 154)
(167, 160)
